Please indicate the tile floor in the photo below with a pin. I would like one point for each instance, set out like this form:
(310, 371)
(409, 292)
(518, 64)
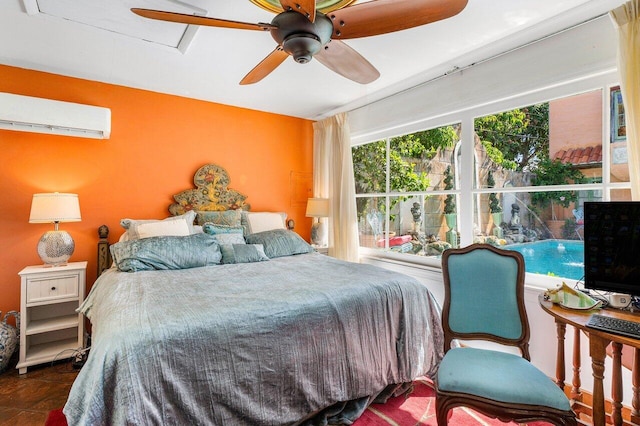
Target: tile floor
(26, 399)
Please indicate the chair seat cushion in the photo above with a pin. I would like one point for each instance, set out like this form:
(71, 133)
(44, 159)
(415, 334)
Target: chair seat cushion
(498, 376)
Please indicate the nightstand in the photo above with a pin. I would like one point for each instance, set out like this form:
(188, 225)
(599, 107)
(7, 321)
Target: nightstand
(322, 250)
(50, 327)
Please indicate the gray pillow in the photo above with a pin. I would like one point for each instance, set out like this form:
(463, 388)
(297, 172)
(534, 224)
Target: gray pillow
(280, 242)
(242, 253)
(161, 253)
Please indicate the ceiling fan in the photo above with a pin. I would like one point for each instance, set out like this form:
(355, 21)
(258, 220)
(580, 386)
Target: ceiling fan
(305, 30)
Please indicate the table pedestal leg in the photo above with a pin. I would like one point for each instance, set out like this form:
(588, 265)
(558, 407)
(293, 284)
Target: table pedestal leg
(561, 329)
(616, 384)
(576, 394)
(597, 351)
(635, 383)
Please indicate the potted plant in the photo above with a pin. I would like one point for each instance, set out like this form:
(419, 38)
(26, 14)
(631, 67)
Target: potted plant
(450, 200)
(450, 209)
(495, 207)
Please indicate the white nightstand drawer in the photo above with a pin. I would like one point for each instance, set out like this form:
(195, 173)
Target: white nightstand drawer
(63, 287)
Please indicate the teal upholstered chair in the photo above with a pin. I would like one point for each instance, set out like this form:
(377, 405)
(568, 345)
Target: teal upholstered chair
(484, 300)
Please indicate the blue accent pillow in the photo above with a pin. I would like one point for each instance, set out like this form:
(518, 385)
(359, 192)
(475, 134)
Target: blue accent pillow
(242, 253)
(225, 234)
(162, 253)
(280, 242)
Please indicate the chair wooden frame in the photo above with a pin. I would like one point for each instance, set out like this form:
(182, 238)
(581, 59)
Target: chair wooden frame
(445, 401)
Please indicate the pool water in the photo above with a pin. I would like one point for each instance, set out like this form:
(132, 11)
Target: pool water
(562, 258)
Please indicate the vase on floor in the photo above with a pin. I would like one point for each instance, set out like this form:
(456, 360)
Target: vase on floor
(8, 338)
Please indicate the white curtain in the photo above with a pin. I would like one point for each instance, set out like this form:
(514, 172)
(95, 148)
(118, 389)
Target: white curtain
(627, 20)
(333, 179)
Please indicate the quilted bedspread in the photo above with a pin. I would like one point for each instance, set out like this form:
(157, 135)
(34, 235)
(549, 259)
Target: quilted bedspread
(294, 340)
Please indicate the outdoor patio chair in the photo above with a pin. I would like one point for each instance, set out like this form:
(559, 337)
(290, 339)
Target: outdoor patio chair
(578, 214)
(484, 300)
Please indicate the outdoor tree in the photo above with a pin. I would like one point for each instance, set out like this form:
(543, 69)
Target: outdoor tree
(516, 139)
(555, 172)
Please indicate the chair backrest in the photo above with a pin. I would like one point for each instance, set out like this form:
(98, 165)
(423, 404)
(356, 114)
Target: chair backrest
(484, 296)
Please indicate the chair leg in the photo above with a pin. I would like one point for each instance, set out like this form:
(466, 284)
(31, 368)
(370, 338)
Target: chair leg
(443, 413)
(443, 418)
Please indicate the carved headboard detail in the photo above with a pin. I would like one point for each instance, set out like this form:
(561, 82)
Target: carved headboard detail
(104, 255)
(212, 193)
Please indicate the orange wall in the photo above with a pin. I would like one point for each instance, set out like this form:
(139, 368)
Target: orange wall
(157, 143)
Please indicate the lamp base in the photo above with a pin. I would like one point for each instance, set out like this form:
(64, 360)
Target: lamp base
(55, 248)
(318, 234)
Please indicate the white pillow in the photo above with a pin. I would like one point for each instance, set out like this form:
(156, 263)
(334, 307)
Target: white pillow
(263, 221)
(164, 227)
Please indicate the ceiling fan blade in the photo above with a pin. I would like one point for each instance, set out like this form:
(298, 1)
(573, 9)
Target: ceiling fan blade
(339, 57)
(306, 7)
(200, 20)
(265, 67)
(386, 16)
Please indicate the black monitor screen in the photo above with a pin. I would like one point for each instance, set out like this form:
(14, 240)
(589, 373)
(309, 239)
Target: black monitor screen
(612, 246)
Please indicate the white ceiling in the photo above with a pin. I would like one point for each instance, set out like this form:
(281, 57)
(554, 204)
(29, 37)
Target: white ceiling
(103, 41)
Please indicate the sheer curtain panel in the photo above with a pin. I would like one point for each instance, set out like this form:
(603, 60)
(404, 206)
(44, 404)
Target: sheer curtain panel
(627, 20)
(333, 179)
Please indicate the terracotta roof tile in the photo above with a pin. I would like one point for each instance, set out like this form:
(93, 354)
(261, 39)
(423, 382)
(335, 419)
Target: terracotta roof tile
(560, 155)
(580, 156)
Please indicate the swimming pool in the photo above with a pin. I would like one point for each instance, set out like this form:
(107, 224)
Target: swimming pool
(562, 258)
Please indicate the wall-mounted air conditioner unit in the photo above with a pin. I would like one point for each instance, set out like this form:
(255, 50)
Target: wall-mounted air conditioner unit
(28, 114)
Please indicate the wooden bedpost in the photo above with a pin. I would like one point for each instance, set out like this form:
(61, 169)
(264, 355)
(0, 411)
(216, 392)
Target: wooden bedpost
(104, 255)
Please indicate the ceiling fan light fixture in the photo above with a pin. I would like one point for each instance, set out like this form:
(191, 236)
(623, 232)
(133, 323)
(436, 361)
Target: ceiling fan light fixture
(302, 47)
(324, 6)
(299, 37)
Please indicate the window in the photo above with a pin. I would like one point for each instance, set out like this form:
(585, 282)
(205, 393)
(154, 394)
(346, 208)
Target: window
(404, 186)
(414, 197)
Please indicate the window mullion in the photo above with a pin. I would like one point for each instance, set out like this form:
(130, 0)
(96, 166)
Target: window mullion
(387, 199)
(466, 172)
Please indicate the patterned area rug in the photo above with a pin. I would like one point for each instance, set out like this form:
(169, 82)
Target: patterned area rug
(418, 409)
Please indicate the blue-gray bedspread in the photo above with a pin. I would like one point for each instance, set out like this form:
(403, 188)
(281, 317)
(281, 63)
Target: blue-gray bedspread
(267, 343)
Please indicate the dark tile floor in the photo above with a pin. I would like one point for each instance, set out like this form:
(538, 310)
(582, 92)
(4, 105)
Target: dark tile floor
(26, 399)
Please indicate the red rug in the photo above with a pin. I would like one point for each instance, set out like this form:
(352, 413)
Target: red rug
(419, 409)
(56, 418)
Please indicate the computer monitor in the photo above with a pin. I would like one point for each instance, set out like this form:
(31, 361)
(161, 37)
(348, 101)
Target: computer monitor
(612, 246)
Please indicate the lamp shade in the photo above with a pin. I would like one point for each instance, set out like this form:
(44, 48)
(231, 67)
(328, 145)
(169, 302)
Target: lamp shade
(54, 207)
(318, 207)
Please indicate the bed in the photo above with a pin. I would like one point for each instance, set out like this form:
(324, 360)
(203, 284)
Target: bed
(267, 333)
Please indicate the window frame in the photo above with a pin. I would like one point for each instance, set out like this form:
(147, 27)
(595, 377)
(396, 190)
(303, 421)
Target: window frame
(465, 192)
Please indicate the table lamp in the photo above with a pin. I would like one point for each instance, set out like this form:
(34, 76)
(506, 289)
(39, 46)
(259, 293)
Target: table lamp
(318, 207)
(55, 247)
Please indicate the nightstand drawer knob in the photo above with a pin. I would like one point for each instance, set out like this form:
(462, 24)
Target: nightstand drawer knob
(53, 288)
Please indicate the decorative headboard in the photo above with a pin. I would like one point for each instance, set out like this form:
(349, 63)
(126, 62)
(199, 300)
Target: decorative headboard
(212, 193)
